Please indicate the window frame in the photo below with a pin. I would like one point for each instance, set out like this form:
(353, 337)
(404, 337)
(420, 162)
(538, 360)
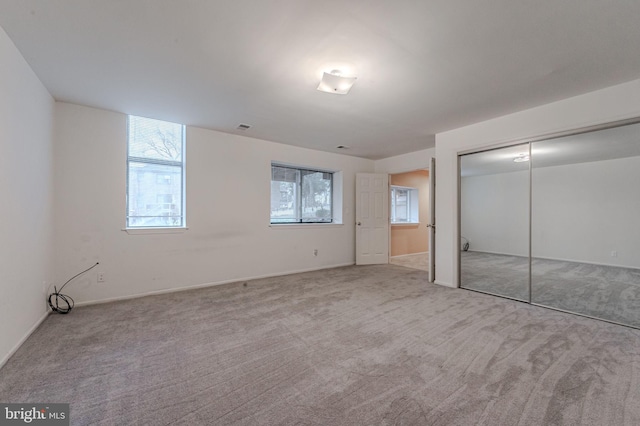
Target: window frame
(413, 205)
(300, 221)
(159, 162)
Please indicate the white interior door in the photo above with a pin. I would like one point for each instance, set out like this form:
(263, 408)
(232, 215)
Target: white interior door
(372, 218)
(432, 220)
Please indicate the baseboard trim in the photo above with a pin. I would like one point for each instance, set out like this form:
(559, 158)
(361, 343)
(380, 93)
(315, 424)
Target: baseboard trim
(444, 284)
(586, 262)
(498, 253)
(205, 285)
(15, 348)
(410, 254)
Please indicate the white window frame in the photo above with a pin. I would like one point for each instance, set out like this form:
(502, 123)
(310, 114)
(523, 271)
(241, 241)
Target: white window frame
(335, 181)
(183, 217)
(413, 202)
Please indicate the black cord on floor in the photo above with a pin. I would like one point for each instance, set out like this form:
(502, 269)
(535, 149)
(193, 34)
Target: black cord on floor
(57, 300)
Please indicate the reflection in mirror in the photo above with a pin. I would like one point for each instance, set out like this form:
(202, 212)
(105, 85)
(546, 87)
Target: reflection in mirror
(494, 221)
(585, 232)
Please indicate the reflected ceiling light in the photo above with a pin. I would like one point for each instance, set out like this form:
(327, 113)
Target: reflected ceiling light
(335, 82)
(521, 158)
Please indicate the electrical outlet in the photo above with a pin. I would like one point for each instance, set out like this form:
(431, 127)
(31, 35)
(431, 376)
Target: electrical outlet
(315, 252)
(101, 277)
(614, 253)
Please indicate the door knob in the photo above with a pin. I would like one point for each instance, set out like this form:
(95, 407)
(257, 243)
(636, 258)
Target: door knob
(359, 223)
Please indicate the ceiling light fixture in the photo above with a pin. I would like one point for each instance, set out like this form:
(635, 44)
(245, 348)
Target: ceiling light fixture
(335, 82)
(521, 158)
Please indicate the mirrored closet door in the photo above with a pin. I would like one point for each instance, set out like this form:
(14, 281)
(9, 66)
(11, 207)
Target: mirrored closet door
(494, 227)
(586, 224)
(556, 223)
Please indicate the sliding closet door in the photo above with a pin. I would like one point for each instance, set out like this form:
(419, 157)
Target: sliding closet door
(494, 222)
(586, 224)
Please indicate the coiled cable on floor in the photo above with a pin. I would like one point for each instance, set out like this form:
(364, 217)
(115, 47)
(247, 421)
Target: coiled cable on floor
(62, 303)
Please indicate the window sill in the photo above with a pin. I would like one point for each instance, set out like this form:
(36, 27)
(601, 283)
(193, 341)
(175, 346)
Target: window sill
(304, 225)
(405, 224)
(146, 231)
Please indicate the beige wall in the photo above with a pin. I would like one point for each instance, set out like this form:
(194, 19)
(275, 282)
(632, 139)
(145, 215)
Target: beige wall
(407, 239)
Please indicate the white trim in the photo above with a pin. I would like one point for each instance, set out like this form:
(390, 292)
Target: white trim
(444, 284)
(304, 225)
(499, 253)
(24, 338)
(410, 254)
(142, 231)
(404, 187)
(210, 284)
(299, 167)
(586, 262)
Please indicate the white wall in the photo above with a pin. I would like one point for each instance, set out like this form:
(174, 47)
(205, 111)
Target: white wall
(580, 212)
(229, 237)
(406, 162)
(585, 211)
(495, 213)
(26, 114)
(602, 106)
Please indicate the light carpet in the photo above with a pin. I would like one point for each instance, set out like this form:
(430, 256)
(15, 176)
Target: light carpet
(611, 293)
(415, 261)
(373, 345)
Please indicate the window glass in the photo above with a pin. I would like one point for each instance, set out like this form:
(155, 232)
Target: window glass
(155, 139)
(404, 205)
(155, 174)
(301, 195)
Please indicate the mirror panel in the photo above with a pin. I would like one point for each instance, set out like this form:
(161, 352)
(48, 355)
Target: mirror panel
(494, 222)
(585, 231)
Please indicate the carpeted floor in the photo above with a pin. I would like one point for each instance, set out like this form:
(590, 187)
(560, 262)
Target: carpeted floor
(605, 292)
(415, 261)
(370, 345)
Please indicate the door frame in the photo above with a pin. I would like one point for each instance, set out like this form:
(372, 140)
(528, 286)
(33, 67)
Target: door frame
(431, 213)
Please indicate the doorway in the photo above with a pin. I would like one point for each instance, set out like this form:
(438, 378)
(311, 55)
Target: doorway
(409, 217)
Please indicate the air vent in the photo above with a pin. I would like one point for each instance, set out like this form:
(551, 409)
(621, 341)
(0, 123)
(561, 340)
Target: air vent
(242, 126)
(343, 147)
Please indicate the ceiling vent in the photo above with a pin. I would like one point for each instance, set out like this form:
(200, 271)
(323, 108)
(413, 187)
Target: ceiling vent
(242, 126)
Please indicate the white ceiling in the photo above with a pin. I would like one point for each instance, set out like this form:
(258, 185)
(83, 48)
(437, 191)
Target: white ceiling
(423, 67)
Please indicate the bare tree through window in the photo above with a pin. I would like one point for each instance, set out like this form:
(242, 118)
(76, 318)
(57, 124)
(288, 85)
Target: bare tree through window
(155, 173)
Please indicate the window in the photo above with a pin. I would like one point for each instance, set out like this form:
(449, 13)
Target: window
(155, 174)
(404, 205)
(301, 195)
(163, 179)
